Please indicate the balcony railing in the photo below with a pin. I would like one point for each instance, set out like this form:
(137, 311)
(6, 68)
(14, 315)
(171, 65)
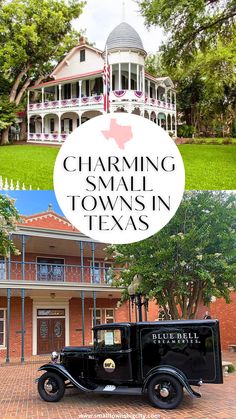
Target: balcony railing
(47, 137)
(91, 101)
(68, 103)
(57, 273)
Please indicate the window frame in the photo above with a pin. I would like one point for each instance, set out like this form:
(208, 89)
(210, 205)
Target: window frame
(4, 319)
(3, 261)
(82, 56)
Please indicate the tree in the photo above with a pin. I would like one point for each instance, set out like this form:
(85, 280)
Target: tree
(34, 35)
(191, 26)
(192, 259)
(8, 219)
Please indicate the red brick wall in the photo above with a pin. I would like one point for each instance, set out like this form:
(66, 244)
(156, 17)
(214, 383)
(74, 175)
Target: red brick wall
(15, 327)
(226, 314)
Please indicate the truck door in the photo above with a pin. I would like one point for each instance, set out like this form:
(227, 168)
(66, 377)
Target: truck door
(113, 355)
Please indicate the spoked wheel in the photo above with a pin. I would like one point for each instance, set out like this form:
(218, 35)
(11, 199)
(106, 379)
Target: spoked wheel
(51, 387)
(165, 392)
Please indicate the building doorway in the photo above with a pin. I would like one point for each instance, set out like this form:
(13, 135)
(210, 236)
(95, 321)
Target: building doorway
(50, 330)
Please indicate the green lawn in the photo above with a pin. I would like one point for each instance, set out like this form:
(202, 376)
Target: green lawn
(207, 166)
(30, 164)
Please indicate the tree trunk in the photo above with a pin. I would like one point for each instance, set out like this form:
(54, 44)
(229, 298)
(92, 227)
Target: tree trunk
(5, 136)
(23, 129)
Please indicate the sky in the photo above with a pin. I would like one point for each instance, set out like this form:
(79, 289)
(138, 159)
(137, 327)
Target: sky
(31, 202)
(100, 17)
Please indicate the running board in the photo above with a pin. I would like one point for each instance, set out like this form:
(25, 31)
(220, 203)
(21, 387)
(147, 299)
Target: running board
(111, 389)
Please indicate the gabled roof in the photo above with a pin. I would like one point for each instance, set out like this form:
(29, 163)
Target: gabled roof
(47, 220)
(77, 48)
(64, 79)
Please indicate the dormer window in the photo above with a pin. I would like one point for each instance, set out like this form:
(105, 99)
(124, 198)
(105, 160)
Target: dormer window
(82, 55)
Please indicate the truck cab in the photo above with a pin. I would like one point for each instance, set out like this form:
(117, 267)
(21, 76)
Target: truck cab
(158, 358)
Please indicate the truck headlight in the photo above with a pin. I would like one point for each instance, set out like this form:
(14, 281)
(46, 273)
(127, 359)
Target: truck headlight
(54, 356)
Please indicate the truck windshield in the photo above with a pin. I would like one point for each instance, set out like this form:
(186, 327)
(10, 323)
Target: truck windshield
(108, 338)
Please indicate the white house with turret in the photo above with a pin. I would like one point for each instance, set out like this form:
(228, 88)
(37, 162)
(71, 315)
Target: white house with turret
(75, 92)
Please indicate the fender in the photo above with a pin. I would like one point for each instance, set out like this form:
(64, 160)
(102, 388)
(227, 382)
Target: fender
(174, 372)
(57, 368)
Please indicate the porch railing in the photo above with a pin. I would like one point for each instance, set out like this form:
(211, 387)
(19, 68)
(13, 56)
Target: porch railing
(67, 103)
(47, 137)
(57, 273)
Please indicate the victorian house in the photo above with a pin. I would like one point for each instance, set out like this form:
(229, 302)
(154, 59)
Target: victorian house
(75, 92)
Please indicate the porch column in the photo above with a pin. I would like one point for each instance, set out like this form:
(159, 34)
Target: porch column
(94, 307)
(42, 116)
(129, 76)
(171, 123)
(82, 292)
(144, 83)
(8, 324)
(22, 325)
(119, 76)
(138, 87)
(93, 280)
(28, 126)
(175, 100)
(166, 122)
(176, 125)
(171, 97)
(156, 91)
(59, 127)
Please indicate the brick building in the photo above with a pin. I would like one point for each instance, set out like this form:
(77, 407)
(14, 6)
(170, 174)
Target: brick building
(60, 285)
(56, 289)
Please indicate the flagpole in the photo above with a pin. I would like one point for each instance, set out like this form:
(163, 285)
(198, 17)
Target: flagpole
(106, 80)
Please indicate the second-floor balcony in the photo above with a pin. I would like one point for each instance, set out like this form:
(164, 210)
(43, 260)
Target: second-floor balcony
(57, 272)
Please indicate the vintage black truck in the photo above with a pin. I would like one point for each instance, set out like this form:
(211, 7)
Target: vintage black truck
(158, 358)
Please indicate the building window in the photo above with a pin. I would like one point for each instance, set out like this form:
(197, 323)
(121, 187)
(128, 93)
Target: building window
(82, 55)
(107, 273)
(103, 316)
(95, 273)
(50, 269)
(2, 328)
(2, 269)
(109, 315)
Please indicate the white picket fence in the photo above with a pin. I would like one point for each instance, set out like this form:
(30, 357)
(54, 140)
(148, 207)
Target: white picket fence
(6, 185)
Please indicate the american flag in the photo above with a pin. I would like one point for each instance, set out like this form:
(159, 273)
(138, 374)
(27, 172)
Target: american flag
(106, 82)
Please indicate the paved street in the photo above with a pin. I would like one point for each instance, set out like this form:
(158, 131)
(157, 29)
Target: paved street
(19, 400)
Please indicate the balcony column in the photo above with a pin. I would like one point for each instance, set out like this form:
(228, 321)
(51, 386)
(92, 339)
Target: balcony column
(166, 93)
(28, 116)
(8, 324)
(23, 258)
(9, 263)
(119, 76)
(156, 92)
(149, 91)
(171, 123)
(28, 100)
(166, 122)
(175, 100)
(82, 292)
(42, 97)
(42, 117)
(144, 83)
(111, 84)
(59, 95)
(22, 326)
(171, 97)
(138, 86)
(129, 86)
(59, 127)
(80, 95)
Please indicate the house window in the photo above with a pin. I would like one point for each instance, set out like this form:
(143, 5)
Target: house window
(109, 315)
(52, 125)
(103, 316)
(95, 273)
(82, 55)
(107, 274)
(50, 269)
(2, 328)
(2, 269)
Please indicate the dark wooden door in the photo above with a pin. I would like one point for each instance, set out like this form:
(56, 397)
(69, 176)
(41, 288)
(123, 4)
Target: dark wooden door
(51, 335)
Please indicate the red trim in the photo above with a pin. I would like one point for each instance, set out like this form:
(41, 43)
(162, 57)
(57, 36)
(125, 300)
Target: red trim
(150, 76)
(78, 76)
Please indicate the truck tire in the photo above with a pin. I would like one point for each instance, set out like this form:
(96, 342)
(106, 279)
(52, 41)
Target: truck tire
(51, 387)
(165, 391)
